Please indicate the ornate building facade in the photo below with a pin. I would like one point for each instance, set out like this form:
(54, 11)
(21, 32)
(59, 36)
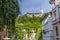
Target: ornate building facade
(56, 18)
(47, 27)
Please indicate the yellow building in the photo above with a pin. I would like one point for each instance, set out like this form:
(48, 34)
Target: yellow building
(34, 14)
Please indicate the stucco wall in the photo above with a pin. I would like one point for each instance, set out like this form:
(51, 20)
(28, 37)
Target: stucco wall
(47, 26)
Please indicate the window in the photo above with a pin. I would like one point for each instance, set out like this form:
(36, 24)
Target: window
(44, 31)
(56, 31)
(55, 14)
(57, 38)
(59, 12)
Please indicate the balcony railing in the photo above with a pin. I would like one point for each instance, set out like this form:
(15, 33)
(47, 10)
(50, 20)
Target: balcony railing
(56, 20)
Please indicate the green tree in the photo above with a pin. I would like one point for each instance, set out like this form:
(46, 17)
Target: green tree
(29, 23)
(9, 10)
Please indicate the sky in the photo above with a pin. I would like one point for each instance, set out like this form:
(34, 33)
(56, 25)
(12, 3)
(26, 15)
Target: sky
(34, 6)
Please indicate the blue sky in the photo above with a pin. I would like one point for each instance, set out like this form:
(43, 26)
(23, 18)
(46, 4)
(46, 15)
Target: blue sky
(34, 6)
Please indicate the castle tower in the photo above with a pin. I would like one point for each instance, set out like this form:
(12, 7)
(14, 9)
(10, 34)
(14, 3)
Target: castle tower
(42, 11)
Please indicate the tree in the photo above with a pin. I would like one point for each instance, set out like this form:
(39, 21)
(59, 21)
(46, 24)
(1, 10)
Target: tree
(9, 11)
(29, 23)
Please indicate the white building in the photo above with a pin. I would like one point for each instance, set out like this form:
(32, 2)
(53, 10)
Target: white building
(54, 3)
(56, 18)
(47, 28)
(52, 23)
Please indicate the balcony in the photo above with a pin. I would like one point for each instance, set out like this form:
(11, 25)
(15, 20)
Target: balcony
(56, 14)
(56, 21)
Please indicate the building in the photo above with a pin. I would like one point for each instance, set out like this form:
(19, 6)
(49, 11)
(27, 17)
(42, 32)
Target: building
(35, 14)
(54, 3)
(47, 28)
(56, 18)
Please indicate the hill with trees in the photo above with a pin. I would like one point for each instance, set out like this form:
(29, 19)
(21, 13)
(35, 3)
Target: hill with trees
(29, 23)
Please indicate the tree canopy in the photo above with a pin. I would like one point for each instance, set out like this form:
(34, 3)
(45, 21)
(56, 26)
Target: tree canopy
(29, 23)
(9, 10)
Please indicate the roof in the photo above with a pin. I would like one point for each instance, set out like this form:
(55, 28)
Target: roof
(33, 13)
